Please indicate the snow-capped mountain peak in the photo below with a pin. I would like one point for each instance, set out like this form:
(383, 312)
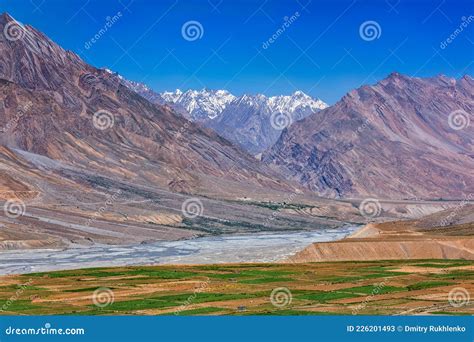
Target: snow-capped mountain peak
(171, 96)
(202, 104)
(297, 101)
(245, 120)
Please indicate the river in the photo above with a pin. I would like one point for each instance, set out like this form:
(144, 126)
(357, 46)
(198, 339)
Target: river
(262, 247)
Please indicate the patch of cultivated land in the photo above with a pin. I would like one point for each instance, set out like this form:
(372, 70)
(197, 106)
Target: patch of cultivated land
(369, 287)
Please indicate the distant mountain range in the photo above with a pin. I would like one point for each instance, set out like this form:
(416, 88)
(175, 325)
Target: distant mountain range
(65, 123)
(254, 122)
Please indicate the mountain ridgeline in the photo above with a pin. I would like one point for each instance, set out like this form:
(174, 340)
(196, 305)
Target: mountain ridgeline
(57, 106)
(401, 138)
(253, 122)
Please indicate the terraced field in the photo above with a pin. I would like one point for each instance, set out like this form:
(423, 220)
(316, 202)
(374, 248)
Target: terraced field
(377, 287)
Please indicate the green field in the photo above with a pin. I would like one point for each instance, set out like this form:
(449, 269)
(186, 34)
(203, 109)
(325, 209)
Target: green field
(381, 287)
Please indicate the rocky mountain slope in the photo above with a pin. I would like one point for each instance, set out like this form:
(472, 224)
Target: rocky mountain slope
(401, 138)
(84, 160)
(57, 106)
(254, 122)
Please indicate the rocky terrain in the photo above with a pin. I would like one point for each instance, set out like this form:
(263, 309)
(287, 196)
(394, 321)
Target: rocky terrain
(86, 160)
(57, 106)
(401, 138)
(74, 140)
(253, 122)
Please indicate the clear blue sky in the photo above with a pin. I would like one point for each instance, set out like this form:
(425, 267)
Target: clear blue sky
(321, 52)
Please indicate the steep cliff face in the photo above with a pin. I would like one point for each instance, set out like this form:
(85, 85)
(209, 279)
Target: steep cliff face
(401, 138)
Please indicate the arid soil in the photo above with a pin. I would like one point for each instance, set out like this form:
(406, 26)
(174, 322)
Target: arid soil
(448, 234)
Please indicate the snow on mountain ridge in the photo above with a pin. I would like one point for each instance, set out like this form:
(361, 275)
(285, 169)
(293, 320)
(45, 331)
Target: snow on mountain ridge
(254, 122)
(213, 102)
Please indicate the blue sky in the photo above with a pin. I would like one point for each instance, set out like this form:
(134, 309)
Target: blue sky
(321, 51)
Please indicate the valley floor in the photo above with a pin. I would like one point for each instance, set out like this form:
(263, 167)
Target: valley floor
(392, 287)
(255, 247)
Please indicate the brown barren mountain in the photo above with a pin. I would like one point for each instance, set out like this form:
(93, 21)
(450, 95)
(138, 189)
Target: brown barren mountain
(94, 162)
(401, 138)
(50, 99)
